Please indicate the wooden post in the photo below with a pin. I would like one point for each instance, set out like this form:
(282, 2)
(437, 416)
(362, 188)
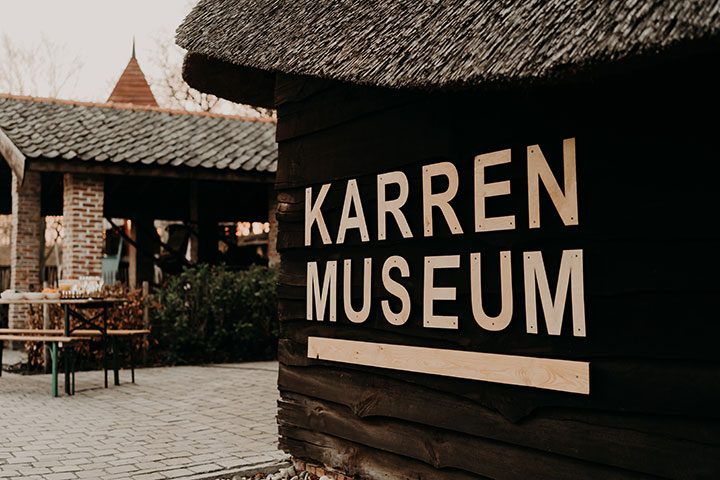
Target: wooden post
(141, 263)
(193, 208)
(207, 227)
(58, 263)
(54, 370)
(41, 253)
(66, 359)
(116, 365)
(105, 345)
(46, 326)
(146, 318)
(272, 253)
(208, 241)
(132, 257)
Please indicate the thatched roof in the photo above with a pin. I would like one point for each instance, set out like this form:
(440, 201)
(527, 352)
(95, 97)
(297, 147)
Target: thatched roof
(430, 44)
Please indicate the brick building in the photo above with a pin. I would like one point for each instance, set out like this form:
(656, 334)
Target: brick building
(125, 159)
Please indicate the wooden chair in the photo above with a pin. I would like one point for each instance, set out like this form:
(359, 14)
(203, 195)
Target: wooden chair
(111, 265)
(172, 260)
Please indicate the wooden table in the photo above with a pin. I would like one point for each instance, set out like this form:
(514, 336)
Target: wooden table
(72, 307)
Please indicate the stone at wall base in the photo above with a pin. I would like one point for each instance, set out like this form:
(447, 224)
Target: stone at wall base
(318, 470)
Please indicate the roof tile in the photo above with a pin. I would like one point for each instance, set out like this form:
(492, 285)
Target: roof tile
(44, 128)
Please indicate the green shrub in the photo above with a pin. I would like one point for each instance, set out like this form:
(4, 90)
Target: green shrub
(213, 314)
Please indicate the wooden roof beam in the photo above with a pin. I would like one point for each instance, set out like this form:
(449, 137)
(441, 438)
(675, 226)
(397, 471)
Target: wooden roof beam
(13, 156)
(141, 170)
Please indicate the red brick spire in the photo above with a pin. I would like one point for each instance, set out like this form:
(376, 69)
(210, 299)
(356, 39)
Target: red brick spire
(132, 86)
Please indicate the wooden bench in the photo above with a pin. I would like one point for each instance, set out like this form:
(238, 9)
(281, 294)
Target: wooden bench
(81, 332)
(56, 336)
(54, 340)
(41, 338)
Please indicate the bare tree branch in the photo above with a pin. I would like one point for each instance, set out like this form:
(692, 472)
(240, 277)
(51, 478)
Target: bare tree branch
(171, 91)
(40, 69)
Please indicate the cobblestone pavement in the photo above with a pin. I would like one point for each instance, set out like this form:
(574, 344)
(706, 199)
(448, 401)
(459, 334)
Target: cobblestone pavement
(176, 422)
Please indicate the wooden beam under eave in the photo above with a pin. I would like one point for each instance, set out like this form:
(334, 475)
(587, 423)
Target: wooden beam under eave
(236, 83)
(142, 170)
(13, 156)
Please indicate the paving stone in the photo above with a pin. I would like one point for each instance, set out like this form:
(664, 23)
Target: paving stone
(60, 476)
(66, 468)
(25, 470)
(149, 476)
(121, 469)
(151, 465)
(20, 460)
(180, 472)
(122, 461)
(177, 422)
(76, 461)
(95, 473)
(210, 467)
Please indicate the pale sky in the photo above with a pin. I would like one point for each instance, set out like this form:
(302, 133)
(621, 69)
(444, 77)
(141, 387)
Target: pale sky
(99, 32)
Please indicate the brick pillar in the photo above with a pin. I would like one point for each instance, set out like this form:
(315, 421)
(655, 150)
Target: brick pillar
(272, 253)
(83, 198)
(26, 242)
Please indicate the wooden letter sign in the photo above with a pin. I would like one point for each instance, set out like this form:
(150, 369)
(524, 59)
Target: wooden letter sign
(393, 191)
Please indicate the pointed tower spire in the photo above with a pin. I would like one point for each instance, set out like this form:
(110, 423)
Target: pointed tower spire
(132, 87)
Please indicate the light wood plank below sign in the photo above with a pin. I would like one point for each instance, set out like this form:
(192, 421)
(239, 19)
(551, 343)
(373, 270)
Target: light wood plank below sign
(547, 373)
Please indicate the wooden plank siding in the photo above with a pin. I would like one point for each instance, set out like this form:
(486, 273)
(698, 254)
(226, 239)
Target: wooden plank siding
(646, 200)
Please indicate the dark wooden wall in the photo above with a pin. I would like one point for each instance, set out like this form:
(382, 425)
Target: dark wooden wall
(646, 157)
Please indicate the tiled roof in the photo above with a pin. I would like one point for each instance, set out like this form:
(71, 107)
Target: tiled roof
(60, 129)
(132, 87)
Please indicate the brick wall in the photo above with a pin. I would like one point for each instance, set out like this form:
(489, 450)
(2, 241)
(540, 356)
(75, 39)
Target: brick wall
(83, 199)
(26, 241)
